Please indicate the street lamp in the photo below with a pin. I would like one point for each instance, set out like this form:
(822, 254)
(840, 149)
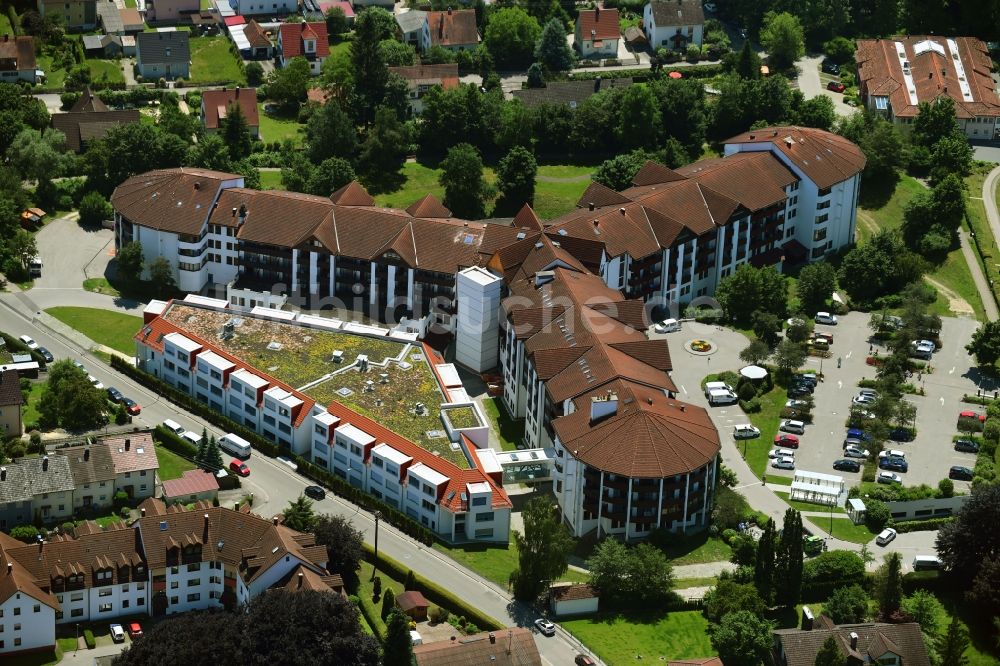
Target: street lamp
(377, 515)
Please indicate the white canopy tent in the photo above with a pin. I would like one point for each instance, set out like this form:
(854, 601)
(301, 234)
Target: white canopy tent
(817, 488)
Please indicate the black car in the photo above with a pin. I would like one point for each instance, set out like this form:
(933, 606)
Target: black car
(46, 354)
(960, 473)
(831, 67)
(894, 464)
(846, 465)
(315, 492)
(966, 445)
(114, 395)
(804, 379)
(901, 435)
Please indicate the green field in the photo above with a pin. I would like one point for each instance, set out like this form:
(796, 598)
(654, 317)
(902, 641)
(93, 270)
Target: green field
(212, 61)
(495, 563)
(767, 419)
(509, 431)
(105, 327)
(31, 414)
(171, 464)
(644, 637)
(105, 70)
(270, 180)
(843, 528)
(278, 128)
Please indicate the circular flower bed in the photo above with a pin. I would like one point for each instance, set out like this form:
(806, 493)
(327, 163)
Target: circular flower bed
(700, 345)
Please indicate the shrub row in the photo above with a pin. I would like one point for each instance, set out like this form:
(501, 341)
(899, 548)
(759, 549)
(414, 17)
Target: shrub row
(14, 345)
(434, 593)
(642, 75)
(371, 616)
(174, 443)
(339, 486)
(976, 399)
(88, 636)
(929, 525)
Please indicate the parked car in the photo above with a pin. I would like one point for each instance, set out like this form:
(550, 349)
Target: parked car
(826, 318)
(966, 446)
(851, 441)
(284, 460)
(239, 467)
(799, 390)
(784, 439)
(869, 392)
(960, 473)
(828, 337)
(79, 365)
(28, 342)
(114, 395)
(117, 633)
(46, 354)
(545, 627)
(667, 326)
(134, 630)
(894, 464)
(889, 478)
(922, 349)
(791, 425)
(862, 400)
(901, 435)
(807, 377)
(969, 414)
(95, 382)
(830, 67)
(582, 659)
(315, 492)
(855, 452)
(892, 453)
(131, 406)
(858, 433)
(781, 453)
(746, 431)
(796, 404)
(885, 536)
(836, 86)
(783, 463)
(795, 321)
(847, 465)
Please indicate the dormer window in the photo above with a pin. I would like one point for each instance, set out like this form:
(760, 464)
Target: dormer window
(310, 45)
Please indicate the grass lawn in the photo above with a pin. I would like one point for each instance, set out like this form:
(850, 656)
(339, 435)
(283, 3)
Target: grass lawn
(628, 637)
(271, 180)
(100, 286)
(343, 46)
(697, 549)
(495, 563)
(508, 430)
(31, 414)
(104, 521)
(171, 464)
(843, 528)
(54, 78)
(808, 506)
(105, 70)
(213, 62)
(5, 26)
(104, 327)
(682, 583)
(278, 128)
(767, 419)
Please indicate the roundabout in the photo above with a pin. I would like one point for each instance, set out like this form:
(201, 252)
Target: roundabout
(701, 347)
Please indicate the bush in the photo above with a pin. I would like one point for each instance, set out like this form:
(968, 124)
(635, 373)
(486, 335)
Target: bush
(728, 534)
(946, 488)
(68, 527)
(751, 406)
(120, 499)
(929, 525)
(747, 391)
(94, 209)
(25, 533)
(829, 571)
(877, 515)
(88, 637)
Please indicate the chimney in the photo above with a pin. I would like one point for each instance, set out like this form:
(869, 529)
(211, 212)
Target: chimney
(197, 185)
(683, 407)
(597, 13)
(142, 513)
(234, 211)
(602, 406)
(10, 565)
(275, 520)
(590, 205)
(621, 210)
(930, 75)
(493, 638)
(854, 640)
(45, 463)
(86, 453)
(301, 576)
(128, 443)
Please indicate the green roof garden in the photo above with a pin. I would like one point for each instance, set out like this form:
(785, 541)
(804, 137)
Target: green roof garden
(462, 417)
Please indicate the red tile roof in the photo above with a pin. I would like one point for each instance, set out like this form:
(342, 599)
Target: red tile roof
(598, 24)
(411, 599)
(445, 75)
(215, 105)
(174, 200)
(292, 34)
(454, 27)
(19, 49)
(192, 482)
(256, 35)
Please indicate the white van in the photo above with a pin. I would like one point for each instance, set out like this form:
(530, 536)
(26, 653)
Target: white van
(721, 397)
(926, 562)
(174, 427)
(192, 437)
(35, 267)
(668, 326)
(717, 386)
(235, 445)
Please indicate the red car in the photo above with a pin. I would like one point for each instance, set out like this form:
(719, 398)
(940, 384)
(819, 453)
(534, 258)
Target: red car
(134, 631)
(835, 86)
(786, 440)
(969, 414)
(239, 467)
(131, 406)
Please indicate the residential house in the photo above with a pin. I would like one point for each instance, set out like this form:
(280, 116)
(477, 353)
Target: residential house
(11, 400)
(421, 78)
(35, 488)
(216, 105)
(343, 5)
(508, 647)
(871, 643)
(135, 464)
(192, 486)
(454, 30)
(93, 472)
(896, 75)
(132, 21)
(259, 40)
(304, 40)
(568, 93)
(74, 14)
(597, 33)
(102, 46)
(268, 7)
(411, 26)
(90, 119)
(110, 18)
(171, 11)
(673, 24)
(27, 612)
(17, 59)
(163, 55)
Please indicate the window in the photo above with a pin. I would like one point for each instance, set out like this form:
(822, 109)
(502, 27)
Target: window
(484, 517)
(174, 585)
(195, 566)
(125, 603)
(37, 608)
(194, 597)
(484, 534)
(140, 601)
(104, 593)
(17, 627)
(174, 601)
(104, 608)
(194, 582)
(76, 612)
(819, 235)
(76, 596)
(17, 610)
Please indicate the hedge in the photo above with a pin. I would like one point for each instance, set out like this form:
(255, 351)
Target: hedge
(646, 74)
(434, 593)
(929, 525)
(174, 443)
(372, 617)
(88, 636)
(339, 486)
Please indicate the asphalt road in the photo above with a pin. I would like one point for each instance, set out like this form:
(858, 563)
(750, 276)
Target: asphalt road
(274, 485)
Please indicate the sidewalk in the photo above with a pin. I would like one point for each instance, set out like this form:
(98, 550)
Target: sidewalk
(982, 285)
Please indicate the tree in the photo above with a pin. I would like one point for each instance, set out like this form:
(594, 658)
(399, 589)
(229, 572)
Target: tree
(383, 151)
(465, 190)
(37, 156)
(840, 50)
(749, 289)
(952, 645)
(966, 542)
(516, 180)
(336, 21)
(847, 605)
(925, 610)
(344, 544)
(287, 86)
(682, 113)
(788, 560)
(148, 146)
(619, 171)
(23, 247)
(985, 344)
(638, 112)
(835, 568)
(890, 586)
(370, 71)
(510, 37)
(877, 515)
(211, 152)
(398, 649)
(174, 121)
(161, 274)
(299, 514)
(332, 174)
(213, 456)
(816, 112)
(755, 353)
(729, 596)
(536, 77)
(935, 121)
(189, 638)
(985, 590)
(766, 327)
(542, 549)
(946, 488)
(330, 133)
(816, 285)
(638, 574)
(255, 73)
(881, 266)
(552, 50)
(69, 400)
(763, 573)
(746, 63)
(388, 600)
(829, 654)
(199, 457)
(397, 54)
(741, 639)
(783, 39)
(789, 356)
(459, 115)
(94, 209)
(235, 131)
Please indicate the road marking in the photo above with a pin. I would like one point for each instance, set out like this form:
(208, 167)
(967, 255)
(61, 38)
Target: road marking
(684, 389)
(952, 371)
(942, 401)
(849, 354)
(840, 384)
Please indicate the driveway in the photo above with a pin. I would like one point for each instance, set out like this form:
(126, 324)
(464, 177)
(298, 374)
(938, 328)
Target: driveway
(811, 85)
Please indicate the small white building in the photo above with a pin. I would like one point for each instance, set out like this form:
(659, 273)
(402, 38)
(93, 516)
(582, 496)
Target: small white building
(817, 487)
(573, 599)
(673, 24)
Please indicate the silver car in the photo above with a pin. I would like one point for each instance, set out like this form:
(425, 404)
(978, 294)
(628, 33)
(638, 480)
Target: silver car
(855, 452)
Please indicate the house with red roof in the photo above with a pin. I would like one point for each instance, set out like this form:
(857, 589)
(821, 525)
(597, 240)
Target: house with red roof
(421, 78)
(217, 104)
(597, 33)
(304, 40)
(194, 485)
